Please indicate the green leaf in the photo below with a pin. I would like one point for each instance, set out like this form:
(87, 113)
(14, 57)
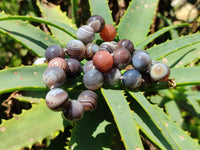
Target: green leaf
(192, 100)
(181, 138)
(53, 12)
(36, 41)
(186, 56)
(27, 99)
(147, 107)
(137, 20)
(155, 35)
(123, 118)
(94, 130)
(29, 127)
(22, 78)
(173, 111)
(160, 51)
(100, 7)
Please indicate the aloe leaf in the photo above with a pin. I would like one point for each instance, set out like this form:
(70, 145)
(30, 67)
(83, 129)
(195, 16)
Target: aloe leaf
(53, 12)
(28, 99)
(147, 107)
(182, 139)
(74, 4)
(187, 55)
(173, 111)
(149, 129)
(160, 51)
(155, 35)
(36, 40)
(21, 78)
(180, 76)
(100, 7)
(123, 117)
(137, 20)
(29, 127)
(65, 28)
(94, 130)
(192, 101)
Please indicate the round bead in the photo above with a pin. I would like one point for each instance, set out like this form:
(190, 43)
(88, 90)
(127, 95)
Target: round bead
(96, 22)
(112, 77)
(141, 61)
(75, 49)
(127, 44)
(108, 33)
(91, 49)
(146, 79)
(57, 99)
(58, 62)
(121, 57)
(53, 77)
(54, 51)
(103, 61)
(85, 34)
(132, 79)
(88, 66)
(88, 99)
(140, 50)
(40, 61)
(93, 79)
(74, 111)
(107, 46)
(74, 68)
(159, 72)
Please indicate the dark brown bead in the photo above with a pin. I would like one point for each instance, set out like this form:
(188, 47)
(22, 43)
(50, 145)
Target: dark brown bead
(74, 68)
(122, 58)
(96, 22)
(88, 99)
(58, 62)
(54, 51)
(75, 49)
(127, 44)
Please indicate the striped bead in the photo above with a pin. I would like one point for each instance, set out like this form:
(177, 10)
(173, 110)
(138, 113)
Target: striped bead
(58, 62)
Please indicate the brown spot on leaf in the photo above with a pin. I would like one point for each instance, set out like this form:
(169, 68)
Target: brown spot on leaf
(46, 37)
(2, 129)
(146, 5)
(166, 124)
(35, 73)
(128, 24)
(31, 139)
(138, 148)
(132, 10)
(164, 60)
(15, 73)
(182, 137)
(136, 7)
(22, 78)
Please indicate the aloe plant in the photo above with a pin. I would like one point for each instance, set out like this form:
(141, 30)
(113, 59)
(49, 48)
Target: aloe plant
(123, 118)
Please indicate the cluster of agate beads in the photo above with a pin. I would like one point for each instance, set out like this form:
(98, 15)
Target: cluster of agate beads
(104, 65)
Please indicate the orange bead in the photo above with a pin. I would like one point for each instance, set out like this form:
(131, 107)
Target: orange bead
(103, 61)
(108, 33)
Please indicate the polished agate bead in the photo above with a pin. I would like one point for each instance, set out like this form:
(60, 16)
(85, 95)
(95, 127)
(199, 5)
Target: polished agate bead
(56, 99)
(75, 49)
(159, 72)
(127, 44)
(132, 79)
(54, 51)
(103, 61)
(107, 46)
(85, 34)
(53, 77)
(93, 79)
(58, 62)
(88, 66)
(74, 111)
(108, 33)
(40, 61)
(96, 22)
(88, 99)
(141, 61)
(74, 68)
(91, 49)
(112, 77)
(121, 57)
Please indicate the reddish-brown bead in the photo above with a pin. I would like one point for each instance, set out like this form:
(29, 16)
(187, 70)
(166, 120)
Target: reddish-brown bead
(108, 33)
(58, 62)
(103, 61)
